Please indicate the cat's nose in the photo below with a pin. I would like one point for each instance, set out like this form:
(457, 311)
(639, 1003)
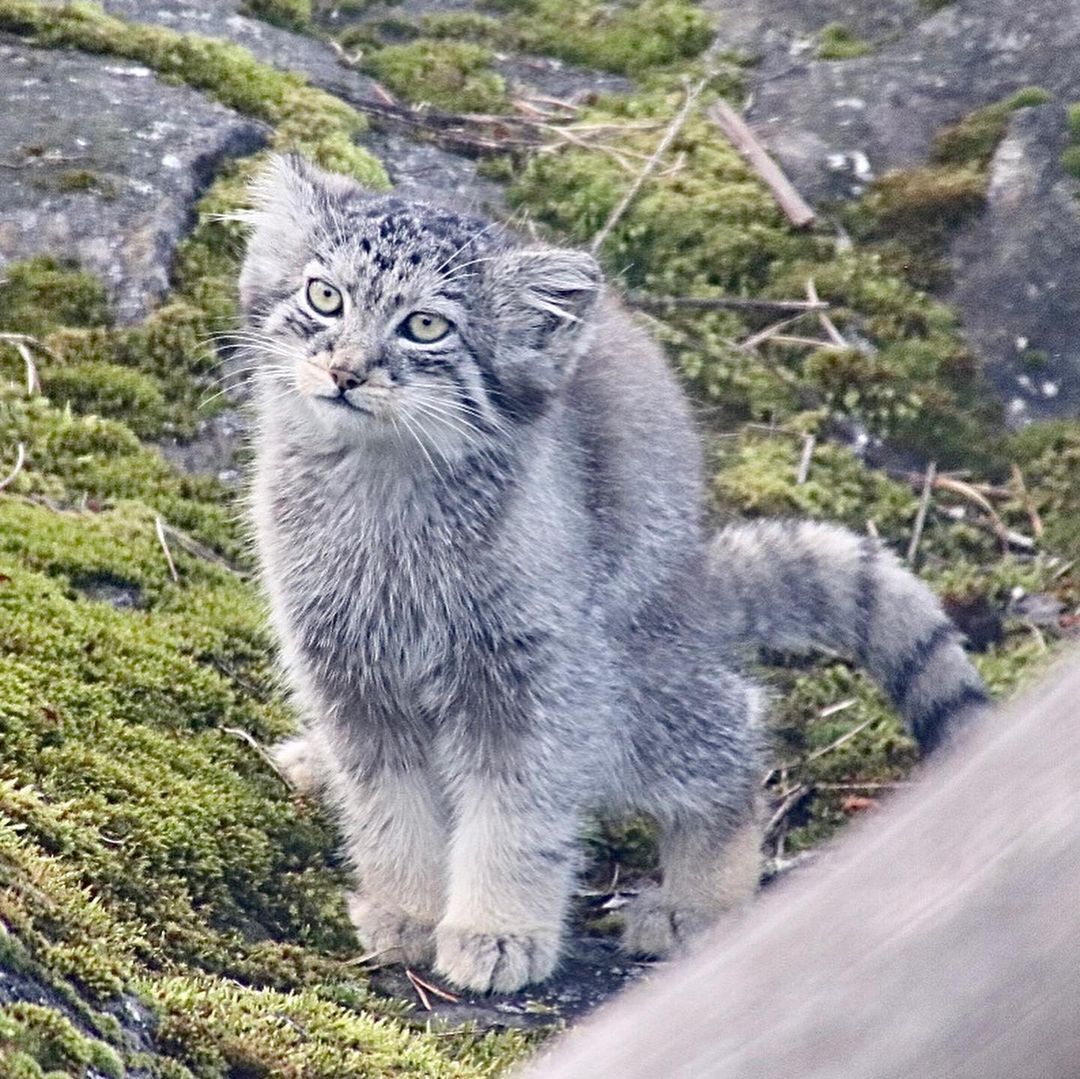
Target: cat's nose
(344, 379)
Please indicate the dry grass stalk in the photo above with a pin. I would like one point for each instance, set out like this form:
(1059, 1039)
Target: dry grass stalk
(673, 129)
(920, 516)
(20, 460)
(159, 527)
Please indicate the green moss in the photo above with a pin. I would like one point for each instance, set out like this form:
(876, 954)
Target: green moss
(1048, 455)
(470, 25)
(1073, 120)
(837, 42)
(454, 75)
(922, 205)
(41, 294)
(1070, 161)
(34, 1040)
(78, 180)
(975, 138)
(291, 14)
(629, 38)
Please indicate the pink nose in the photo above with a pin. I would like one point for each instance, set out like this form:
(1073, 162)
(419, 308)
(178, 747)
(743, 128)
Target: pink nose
(345, 380)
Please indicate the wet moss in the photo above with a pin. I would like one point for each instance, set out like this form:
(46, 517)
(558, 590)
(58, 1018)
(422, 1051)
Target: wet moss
(36, 1042)
(838, 42)
(454, 75)
(290, 14)
(42, 294)
(975, 138)
(629, 38)
(467, 25)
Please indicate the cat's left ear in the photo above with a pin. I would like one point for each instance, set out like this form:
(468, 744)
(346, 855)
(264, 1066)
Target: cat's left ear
(541, 299)
(290, 197)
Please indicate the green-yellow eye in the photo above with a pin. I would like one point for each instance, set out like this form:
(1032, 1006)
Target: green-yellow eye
(424, 327)
(324, 298)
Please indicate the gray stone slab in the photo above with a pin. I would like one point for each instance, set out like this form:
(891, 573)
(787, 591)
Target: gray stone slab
(835, 124)
(103, 163)
(1017, 271)
(271, 44)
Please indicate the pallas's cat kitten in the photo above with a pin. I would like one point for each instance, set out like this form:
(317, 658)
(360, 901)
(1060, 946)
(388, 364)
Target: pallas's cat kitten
(479, 507)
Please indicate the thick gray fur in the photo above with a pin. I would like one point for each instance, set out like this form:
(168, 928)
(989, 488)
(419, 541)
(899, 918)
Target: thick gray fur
(496, 601)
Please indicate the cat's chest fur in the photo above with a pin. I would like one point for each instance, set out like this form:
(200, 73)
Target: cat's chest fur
(383, 592)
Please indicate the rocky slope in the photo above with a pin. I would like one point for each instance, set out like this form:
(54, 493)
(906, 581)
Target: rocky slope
(167, 906)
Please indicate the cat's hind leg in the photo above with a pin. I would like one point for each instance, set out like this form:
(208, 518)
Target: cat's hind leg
(705, 873)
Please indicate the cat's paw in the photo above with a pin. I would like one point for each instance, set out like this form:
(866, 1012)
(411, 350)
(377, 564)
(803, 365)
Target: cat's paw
(657, 928)
(495, 962)
(298, 760)
(391, 934)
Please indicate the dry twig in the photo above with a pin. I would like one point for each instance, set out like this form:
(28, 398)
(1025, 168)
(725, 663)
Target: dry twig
(423, 987)
(827, 324)
(798, 211)
(920, 516)
(804, 461)
(244, 736)
(735, 303)
(1028, 501)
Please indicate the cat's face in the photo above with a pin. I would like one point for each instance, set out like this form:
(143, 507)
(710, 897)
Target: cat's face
(371, 317)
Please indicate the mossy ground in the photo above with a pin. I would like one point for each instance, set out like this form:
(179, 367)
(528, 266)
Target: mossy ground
(147, 852)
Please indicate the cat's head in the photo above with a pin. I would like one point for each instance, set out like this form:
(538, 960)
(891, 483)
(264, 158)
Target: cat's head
(368, 314)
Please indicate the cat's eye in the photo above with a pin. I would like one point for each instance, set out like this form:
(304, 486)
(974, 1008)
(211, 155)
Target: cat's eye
(424, 327)
(324, 298)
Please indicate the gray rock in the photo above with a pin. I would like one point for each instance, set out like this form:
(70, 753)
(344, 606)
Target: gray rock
(271, 44)
(1015, 271)
(780, 31)
(835, 124)
(420, 170)
(103, 163)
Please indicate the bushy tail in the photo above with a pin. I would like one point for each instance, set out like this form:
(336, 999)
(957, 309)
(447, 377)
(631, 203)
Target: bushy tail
(800, 585)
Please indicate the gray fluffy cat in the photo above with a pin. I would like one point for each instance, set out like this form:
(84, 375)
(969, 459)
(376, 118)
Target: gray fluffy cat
(479, 506)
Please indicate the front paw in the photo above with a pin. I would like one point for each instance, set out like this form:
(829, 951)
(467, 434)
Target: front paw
(391, 933)
(495, 962)
(298, 760)
(658, 928)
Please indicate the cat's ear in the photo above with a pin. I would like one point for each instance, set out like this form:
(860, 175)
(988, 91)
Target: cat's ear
(541, 301)
(290, 198)
(550, 288)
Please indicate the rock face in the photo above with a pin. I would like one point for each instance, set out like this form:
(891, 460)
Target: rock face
(270, 44)
(1016, 275)
(103, 164)
(881, 110)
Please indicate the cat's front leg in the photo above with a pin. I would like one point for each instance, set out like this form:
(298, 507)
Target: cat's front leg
(513, 857)
(395, 836)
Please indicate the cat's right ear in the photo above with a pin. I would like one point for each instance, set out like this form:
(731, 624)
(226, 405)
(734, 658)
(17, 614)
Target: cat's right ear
(289, 198)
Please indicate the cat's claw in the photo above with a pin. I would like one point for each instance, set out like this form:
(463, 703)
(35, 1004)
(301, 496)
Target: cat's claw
(495, 962)
(391, 934)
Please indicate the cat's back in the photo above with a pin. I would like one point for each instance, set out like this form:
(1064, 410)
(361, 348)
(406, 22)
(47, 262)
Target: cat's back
(640, 456)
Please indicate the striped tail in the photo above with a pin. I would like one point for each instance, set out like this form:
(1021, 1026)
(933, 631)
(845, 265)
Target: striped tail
(801, 585)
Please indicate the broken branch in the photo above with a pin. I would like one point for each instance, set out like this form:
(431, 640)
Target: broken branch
(795, 207)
